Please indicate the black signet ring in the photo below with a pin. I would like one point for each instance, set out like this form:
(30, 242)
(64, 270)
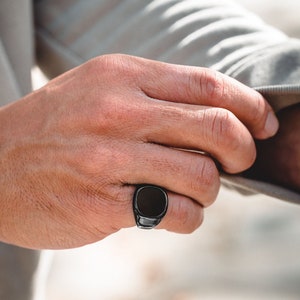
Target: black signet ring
(150, 204)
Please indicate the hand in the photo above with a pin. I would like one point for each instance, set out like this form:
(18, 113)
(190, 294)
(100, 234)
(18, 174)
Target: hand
(278, 159)
(72, 151)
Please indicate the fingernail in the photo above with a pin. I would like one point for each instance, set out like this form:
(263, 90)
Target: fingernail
(272, 124)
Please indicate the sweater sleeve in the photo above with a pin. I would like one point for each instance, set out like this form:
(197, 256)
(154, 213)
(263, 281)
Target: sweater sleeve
(16, 49)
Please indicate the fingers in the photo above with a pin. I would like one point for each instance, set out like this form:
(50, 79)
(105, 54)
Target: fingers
(212, 130)
(175, 114)
(191, 179)
(202, 86)
(153, 109)
(190, 174)
(184, 215)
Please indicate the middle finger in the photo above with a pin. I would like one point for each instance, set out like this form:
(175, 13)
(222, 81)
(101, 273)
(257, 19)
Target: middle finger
(212, 130)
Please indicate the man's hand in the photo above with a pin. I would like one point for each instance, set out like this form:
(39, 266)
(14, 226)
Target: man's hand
(278, 159)
(72, 152)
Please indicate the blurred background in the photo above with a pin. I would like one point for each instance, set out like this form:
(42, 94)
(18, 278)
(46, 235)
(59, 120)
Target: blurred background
(247, 248)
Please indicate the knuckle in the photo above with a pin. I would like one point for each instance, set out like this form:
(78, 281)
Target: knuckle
(211, 85)
(111, 107)
(224, 127)
(188, 220)
(206, 181)
(109, 62)
(230, 136)
(119, 68)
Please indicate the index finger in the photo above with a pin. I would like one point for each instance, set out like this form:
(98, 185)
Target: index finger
(203, 86)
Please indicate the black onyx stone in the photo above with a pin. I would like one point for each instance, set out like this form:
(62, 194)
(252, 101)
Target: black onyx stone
(151, 201)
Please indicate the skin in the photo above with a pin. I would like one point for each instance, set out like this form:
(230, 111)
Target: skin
(73, 151)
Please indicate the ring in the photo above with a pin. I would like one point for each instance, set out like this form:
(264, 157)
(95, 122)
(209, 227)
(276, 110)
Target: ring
(150, 204)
